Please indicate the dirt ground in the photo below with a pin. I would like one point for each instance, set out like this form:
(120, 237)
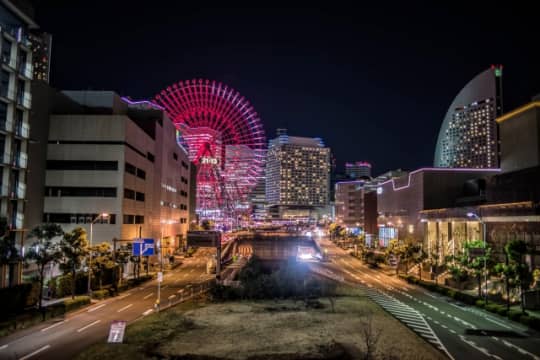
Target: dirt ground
(267, 330)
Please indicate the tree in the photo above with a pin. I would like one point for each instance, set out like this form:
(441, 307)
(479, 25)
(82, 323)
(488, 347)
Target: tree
(516, 251)
(44, 251)
(8, 250)
(74, 247)
(101, 261)
(476, 265)
(418, 257)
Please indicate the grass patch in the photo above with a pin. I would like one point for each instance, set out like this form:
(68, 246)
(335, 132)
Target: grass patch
(266, 329)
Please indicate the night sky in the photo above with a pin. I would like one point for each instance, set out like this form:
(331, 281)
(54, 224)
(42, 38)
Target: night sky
(373, 82)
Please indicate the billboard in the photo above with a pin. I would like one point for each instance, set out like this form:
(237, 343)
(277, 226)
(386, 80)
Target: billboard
(205, 238)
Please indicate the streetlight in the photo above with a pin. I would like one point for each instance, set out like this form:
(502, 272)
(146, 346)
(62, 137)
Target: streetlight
(473, 215)
(160, 275)
(102, 215)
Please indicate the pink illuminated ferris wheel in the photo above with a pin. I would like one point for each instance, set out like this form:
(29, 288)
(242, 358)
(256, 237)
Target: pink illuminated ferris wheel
(223, 136)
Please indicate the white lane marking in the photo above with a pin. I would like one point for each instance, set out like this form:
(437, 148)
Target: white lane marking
(97, 307)
(147, 296)
(141, 288)
(521, 350)
(180, 291)
(481, 349)
(3, 347)
(125, 307)
(163, 287)
(87, 326)
(35, 352)
(172, 297)
(452, 331)
(54, 325)
(147, 312)
(123, 296)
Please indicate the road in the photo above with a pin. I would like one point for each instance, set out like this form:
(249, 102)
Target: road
(458, 330)
(64, 338)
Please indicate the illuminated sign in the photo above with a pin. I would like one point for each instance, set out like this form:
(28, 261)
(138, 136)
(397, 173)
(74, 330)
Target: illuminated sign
(209, 160)
(379, 190)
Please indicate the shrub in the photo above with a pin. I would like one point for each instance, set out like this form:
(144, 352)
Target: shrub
(514, 315)
(502, 311)
(14, 299)
(480, 303)
(466, 298)
(73, 304)
(494, 308)
(100, 294)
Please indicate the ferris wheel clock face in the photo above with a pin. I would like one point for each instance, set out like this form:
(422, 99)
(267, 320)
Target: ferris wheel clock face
(223, 136)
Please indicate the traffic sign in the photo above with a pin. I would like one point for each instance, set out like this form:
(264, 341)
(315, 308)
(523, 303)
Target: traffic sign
(160, 276)
(143, 247)
(116, 331)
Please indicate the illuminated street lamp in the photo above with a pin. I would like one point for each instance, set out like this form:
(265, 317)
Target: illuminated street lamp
(473, 215)
(104, 216)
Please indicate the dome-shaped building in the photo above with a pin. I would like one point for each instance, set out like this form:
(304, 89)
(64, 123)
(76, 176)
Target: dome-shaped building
(468, 136)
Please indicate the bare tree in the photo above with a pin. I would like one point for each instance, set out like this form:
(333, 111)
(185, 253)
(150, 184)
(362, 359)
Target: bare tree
(370, 336)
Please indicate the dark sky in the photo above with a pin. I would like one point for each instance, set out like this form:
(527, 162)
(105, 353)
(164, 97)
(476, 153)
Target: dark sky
(374, 82)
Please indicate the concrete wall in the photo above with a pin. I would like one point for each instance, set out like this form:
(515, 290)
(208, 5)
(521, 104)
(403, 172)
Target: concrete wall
(520, 146)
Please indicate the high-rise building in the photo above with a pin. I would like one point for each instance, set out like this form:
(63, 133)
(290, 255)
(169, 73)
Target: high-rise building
(468, 136)
(297, 172)
(15, 107)
(357, 170)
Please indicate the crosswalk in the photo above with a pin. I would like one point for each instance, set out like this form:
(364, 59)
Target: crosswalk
(408, 316)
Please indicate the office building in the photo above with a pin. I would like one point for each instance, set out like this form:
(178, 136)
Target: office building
(358, 170)
(468, 136)
(107, 155)
(297, 176)
(356, 206)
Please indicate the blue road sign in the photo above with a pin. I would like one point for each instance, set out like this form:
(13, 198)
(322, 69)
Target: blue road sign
(143, 247)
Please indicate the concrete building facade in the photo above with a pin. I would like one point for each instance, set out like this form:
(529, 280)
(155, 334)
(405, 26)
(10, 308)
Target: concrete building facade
(400, 200)
(105, 156)
(356, 206)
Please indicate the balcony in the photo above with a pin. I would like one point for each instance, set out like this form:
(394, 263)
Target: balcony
(20, 161)
(26, 70)
(6, 158)
(4, 190)
(6, 126)
(27, 100)
(23, 130)
(18, 191)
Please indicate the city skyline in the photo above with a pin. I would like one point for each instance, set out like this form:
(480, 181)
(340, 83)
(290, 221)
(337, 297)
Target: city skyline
(326, 72)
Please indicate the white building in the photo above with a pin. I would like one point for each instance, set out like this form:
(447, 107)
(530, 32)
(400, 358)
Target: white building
(107, 156)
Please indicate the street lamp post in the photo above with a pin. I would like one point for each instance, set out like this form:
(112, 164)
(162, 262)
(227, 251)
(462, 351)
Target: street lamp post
(473, 215)
(160, 277)
(102, 215)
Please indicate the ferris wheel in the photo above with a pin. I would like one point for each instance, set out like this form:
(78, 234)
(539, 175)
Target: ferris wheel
(224, 138)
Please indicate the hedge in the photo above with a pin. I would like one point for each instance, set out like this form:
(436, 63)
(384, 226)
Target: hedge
(13, 300)
(34, 316)
(101, 294)
(515, 315)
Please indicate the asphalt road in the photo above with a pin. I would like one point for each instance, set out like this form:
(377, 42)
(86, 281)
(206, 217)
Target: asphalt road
(63, 338)
(459, 330)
